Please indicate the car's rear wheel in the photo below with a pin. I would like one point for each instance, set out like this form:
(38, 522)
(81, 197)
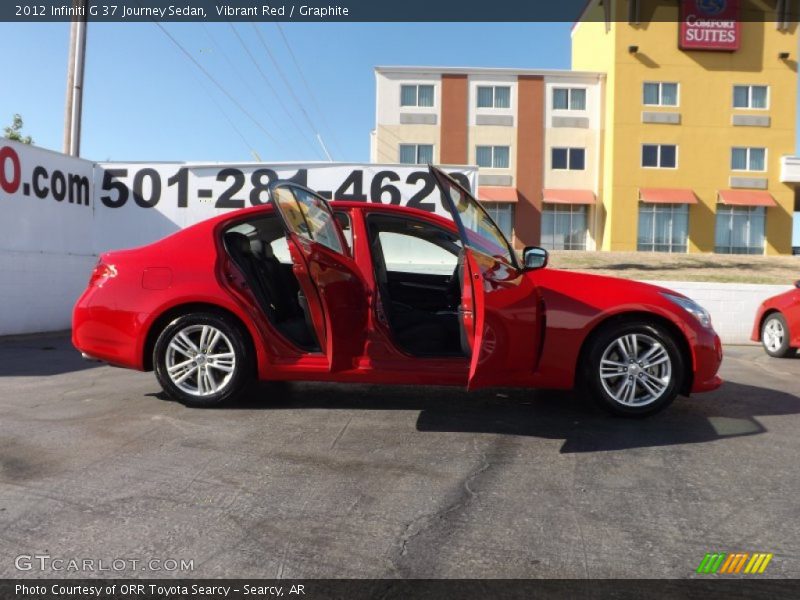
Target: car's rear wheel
(775, 336)
(634, 369)
(201, 359)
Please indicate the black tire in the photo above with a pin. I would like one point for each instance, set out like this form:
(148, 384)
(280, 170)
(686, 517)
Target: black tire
(667, 376)
(231, 342)
(773, 326)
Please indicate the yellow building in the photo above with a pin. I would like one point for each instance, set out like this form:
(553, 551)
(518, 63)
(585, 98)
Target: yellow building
(693, 137)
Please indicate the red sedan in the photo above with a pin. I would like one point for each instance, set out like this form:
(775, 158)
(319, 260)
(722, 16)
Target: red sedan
(777, 324)
(300, 289)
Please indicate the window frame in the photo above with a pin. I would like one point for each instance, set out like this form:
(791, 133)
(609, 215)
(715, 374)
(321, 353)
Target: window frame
(493, 147)
(749, 87)
(660, 85)
(416, 152)
(569, 90)
(494, 106)
(747, 159)
(572, 210)
(658, 156)
(569, 150)
(730, 212)
(673, 248)
(416, 95)
(492, 207)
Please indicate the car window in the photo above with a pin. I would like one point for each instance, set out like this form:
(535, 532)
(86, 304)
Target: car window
(280, 249)
(411, 254)
(481, 233)
(343, 219)
(308, 216)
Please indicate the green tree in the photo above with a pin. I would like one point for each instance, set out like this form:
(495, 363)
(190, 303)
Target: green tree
(14, 131)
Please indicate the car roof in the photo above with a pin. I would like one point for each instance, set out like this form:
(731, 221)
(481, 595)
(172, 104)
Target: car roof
(408, 211)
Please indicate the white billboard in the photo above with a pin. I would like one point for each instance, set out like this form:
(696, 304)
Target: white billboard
(137, 203)
(59, 212)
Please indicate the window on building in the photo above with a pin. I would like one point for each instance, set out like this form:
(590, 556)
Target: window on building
(748, 159)
(492, 157)
(572, 159)
(663, 156)
(416, 154)
(569, 98)
(740, 230)
(660, 94)
(494, 96)
(502, 214)
(564, 226)
(750, 96)
(416, 95)
(663, 227)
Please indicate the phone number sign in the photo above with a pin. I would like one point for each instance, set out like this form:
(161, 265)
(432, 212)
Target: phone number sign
(136, 203)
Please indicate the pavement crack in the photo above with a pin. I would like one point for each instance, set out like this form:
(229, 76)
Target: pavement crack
(425, 522)
(340, 434)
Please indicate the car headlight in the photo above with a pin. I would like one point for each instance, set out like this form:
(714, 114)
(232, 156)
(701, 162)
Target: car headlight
(692, 307)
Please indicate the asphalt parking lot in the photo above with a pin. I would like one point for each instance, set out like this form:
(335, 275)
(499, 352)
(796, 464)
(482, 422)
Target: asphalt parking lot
(316, 480)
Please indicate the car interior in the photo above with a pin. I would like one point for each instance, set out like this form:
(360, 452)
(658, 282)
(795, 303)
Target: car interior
(259, 249)
(418, 272)
(417, 269)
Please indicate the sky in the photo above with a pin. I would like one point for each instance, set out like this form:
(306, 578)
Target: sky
(144, 99)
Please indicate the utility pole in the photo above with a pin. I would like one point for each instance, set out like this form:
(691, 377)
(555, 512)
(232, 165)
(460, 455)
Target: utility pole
(77, 57)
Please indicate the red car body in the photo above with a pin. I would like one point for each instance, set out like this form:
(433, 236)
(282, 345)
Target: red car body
(542, 321)
(787, 304)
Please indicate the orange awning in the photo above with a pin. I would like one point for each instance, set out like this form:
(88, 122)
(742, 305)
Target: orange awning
(667, 195)
(746, 198)
(497, 193)
(568, 196)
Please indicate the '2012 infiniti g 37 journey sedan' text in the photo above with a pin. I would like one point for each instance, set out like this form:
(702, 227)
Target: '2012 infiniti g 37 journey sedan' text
(303, 289)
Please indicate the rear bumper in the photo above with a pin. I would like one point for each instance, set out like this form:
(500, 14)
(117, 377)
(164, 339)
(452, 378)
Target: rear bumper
(103, 334)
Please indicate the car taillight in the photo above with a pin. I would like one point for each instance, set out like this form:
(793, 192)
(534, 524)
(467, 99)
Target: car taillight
(101, 273)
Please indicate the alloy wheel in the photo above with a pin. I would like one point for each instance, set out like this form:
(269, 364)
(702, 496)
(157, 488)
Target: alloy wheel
(773, 335)
(200, 360)
(635, 369)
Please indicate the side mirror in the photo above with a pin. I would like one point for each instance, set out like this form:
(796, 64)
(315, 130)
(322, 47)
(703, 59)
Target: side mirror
(534, 257)
(797, 284)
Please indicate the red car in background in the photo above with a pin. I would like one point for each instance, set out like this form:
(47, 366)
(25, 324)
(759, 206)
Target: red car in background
(777, 324)
(303, 289)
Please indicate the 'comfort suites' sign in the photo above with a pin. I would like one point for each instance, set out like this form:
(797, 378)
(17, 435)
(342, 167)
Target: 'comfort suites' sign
(710, 25)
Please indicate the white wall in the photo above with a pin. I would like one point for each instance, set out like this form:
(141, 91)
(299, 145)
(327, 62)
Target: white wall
(45, 243)
(48, 244)
(732, 305)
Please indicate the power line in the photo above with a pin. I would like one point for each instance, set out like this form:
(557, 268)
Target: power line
(275, 123)
(289, 87)
(272, 89)
(310, 90)
(229, 120)
(215, 82)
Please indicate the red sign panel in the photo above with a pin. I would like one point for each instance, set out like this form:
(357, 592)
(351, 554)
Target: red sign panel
(710, 25)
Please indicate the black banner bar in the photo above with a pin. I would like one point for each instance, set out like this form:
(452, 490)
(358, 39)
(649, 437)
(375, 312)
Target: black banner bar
(367, 10)
(708, 588)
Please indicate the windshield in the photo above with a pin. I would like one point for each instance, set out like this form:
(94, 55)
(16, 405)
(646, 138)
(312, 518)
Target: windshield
(477, 228)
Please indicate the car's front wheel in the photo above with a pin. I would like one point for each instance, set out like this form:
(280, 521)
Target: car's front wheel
(634, 369)
(201, 359)
(775, 336)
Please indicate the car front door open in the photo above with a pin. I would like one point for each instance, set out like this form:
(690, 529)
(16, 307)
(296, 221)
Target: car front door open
(328, 276)
(499, 304)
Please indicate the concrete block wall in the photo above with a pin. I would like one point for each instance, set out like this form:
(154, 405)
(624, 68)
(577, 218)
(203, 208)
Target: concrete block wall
(39, 289)
(732, 305)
